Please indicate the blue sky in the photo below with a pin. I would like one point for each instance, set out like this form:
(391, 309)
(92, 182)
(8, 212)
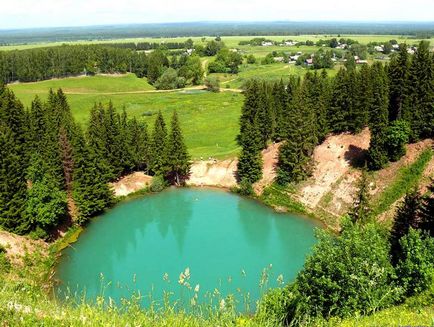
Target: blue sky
(48, 13)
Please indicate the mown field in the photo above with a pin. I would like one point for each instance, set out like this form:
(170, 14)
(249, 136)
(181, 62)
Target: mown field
(230, 41)
(209, 120)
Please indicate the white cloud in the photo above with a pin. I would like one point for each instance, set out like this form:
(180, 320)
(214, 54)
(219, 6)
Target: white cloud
(30, 13)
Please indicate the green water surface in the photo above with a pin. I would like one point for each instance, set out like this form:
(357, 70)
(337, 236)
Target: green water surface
(225, 240)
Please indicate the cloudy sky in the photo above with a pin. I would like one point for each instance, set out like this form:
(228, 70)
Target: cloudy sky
(48, 13)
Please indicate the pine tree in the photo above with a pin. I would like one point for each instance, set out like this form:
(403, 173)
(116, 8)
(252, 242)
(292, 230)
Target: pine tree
(178, 161)
(250, 107)
(13, 188)
(408, 215)
(249, 168)
(264, 115)
(398, 75)
(13, 163)
(363, 97)
(361, 209)
(158, 146)
(377, 153)
(91, 192)
(139, 144)
(279, 100)
(427, 212)
(418, 107)
(339, 110)
(295, 155)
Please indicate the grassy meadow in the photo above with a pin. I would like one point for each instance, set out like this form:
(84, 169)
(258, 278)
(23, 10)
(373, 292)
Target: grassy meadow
(209, 120)
(230, 41)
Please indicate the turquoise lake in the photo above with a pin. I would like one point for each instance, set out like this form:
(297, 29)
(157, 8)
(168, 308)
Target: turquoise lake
(226, 241)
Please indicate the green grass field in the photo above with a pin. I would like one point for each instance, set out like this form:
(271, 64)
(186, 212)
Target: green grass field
(209, 120)
(269, 72)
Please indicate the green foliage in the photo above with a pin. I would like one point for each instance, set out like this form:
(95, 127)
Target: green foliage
(46, 204)
(158, 184)
(245, 188)
(347, 274)
(360, 212)
(406, 179)
(5, 264)
(212, 84)
(407, 216)
(251, 59)
(398, 134)
(169, 80)
(158, 146)
(226, 61)
(177, 167)
(377, 153)
(415, 268)
(249, 168)
(276, 306)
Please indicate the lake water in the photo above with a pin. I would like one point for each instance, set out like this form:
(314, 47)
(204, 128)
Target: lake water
(230, 245)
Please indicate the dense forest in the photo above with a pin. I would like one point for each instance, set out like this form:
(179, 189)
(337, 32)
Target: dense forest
(72, 60)
(51, 170)
(396, 101)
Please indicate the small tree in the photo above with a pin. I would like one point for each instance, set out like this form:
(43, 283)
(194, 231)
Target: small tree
(397, 136)
(212, 84)
(361, 209)
(416, 266)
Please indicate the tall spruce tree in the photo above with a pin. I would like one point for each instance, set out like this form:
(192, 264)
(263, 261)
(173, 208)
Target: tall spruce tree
(13, 163)
(158, 146)
(249, 168)
(363, 98)
(418, 107)
(398, 75)
(295, 155)
(13, 188)
(377, 153)
(339, 110)
(91, 192)
(427, 212)
(407, 216)
(178, 161)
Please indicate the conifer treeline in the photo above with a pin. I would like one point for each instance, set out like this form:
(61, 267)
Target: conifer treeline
(71, 60)
(51, 170)
(396, 101)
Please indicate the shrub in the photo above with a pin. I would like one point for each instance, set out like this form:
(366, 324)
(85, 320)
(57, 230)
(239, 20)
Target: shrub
(4, 262)
(170, 80)
(246, 188)
(251, 59)
(416, 266)
(348, 273)
(158, 184)
(276, 306)
(398, 135)
(212, 84)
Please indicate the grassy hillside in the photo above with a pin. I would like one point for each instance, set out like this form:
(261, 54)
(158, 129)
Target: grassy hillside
(209, 120)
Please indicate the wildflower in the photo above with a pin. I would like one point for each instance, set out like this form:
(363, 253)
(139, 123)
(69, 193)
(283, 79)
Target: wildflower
(166, 277)
(196, 289)
(222, 304)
